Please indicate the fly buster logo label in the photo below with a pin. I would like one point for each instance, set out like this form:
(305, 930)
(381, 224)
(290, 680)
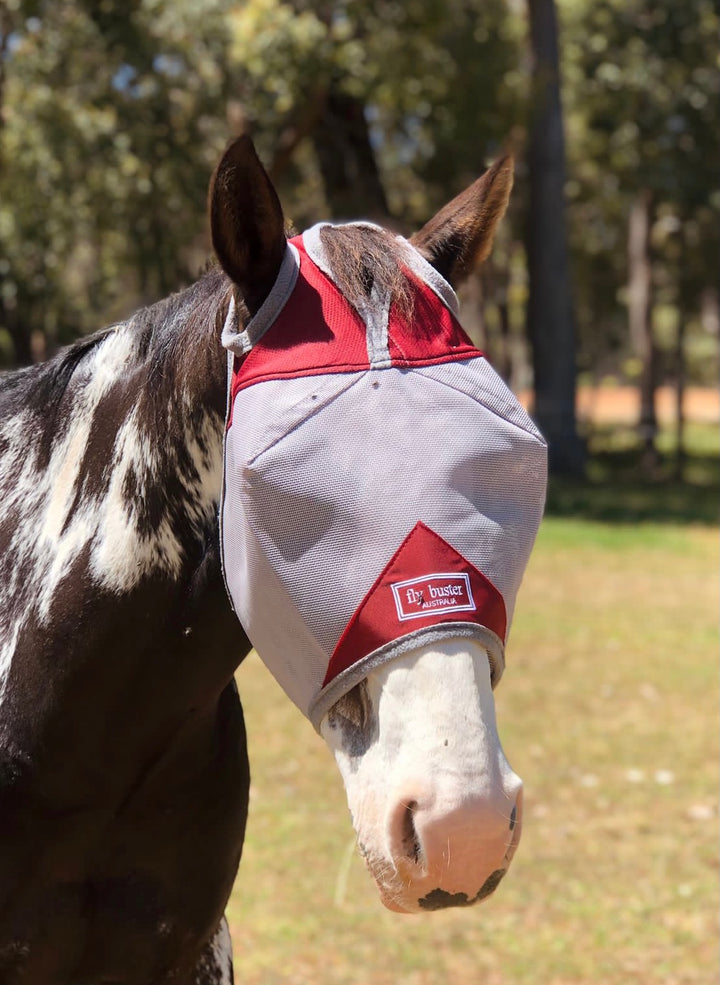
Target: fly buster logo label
(424, 596)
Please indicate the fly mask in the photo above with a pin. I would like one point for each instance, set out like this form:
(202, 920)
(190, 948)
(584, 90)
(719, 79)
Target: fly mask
(382, 487)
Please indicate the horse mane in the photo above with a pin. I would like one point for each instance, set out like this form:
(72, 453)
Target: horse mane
(361, 256)
(156, 331)
(199, 311)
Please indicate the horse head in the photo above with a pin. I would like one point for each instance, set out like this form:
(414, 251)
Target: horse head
(382, 493)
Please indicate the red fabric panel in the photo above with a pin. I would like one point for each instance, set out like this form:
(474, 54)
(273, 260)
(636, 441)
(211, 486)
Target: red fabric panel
(426, 582)
(432, 334)
(317, 332)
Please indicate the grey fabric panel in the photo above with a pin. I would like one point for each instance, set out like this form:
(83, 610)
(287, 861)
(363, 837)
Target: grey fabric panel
(312, 521)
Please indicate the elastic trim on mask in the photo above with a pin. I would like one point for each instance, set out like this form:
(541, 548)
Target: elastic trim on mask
(347, 680)
(376, 315)
(432, 277)
(228, 414)
(241, 342)
(312, 241)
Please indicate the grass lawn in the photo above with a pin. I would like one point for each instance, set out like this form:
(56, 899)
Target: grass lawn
(609, 712)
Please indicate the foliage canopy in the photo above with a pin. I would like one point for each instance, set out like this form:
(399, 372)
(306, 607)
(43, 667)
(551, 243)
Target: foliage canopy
(111, 121)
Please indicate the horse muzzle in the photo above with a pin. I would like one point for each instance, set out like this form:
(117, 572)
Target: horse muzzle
(436, 806)
(445, 848)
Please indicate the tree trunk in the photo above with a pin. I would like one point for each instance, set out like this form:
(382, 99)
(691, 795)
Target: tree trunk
(640, 306)
(19, 334)
(6, 30)
(8, 311)
(505, 364)
(300, 125)
(494, 281)
(347, 163)
(550, 318)
(680, 381)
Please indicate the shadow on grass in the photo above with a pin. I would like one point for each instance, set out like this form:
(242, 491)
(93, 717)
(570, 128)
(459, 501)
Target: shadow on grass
(619, 489)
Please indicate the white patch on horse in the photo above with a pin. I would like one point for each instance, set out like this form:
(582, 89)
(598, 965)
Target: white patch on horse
(67, 460)
(205, 449)
(222, 952)
(6, 653)
(122, 554)
(215, 967)
(50, 526)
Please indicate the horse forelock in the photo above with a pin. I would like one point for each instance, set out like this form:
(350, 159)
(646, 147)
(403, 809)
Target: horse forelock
(362, 257)
(111, 457)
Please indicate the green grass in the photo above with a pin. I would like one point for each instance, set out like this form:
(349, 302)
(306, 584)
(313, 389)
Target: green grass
(609, 712)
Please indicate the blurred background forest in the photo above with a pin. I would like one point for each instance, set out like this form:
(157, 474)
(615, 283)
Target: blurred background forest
(112, 117)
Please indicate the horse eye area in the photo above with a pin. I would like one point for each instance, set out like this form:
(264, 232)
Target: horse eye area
(351, 709)
(354, 717)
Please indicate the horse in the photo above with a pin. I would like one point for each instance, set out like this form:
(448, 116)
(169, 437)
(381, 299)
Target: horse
(124, 773)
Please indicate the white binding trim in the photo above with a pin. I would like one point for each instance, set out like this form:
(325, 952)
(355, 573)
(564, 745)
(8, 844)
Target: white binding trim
(314, 248)
(426, 272)
(347, 679)
(241, 342)
(376, 315)
(223, 489)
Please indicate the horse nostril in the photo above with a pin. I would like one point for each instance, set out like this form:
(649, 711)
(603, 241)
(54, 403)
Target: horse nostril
(405, 836)
(411, 842)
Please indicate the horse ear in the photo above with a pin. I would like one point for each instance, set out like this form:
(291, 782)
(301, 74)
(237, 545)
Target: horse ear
(246, 222)
(461, 234)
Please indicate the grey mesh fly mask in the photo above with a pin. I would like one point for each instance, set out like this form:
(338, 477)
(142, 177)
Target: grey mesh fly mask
(382, 488)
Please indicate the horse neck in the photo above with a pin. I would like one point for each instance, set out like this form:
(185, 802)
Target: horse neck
(112, 459)
(167, 468)
(110, 585)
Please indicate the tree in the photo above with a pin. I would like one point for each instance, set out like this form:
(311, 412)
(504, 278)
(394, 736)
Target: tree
(416, 92)
(112, 123)
(549, 312)
(643, 96)
(640, 315)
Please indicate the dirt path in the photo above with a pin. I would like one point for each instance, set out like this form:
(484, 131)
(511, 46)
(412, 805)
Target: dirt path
(621, 405)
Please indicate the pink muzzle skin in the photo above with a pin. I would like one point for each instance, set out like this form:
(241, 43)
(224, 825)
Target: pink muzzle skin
(382, 487)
